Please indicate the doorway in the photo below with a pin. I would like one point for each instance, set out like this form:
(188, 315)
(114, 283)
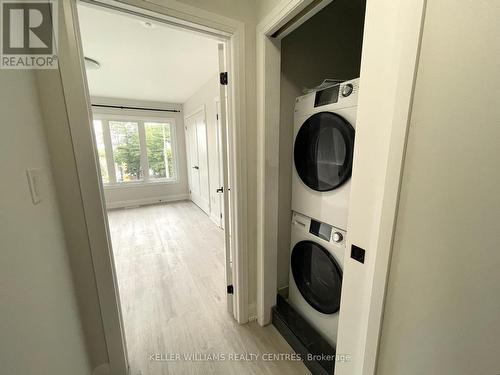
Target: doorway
(139, 222)
(154, 156)
(197, 158)
(391, 40)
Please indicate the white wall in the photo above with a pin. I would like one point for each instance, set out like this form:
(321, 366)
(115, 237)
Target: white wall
(123, 196)
(41, 331)
(326, 46)
(205, 97)
(442, 314)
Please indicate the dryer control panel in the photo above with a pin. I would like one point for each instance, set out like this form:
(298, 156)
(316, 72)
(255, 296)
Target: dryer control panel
(342, 95)
(321, 230)
(333, 94)
(327, 96)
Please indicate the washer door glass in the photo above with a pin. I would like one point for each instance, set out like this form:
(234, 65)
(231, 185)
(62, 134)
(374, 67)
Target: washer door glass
(317, 276)
(323, 151)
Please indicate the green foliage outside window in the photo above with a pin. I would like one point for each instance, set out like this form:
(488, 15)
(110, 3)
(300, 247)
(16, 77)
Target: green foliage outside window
(127, 153)
(127, 150)
(159, 150)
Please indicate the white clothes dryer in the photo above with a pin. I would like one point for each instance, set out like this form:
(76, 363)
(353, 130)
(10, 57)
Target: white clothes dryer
(324, 123)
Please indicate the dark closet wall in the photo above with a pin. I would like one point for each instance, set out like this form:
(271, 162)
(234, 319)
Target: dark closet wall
(326, 46)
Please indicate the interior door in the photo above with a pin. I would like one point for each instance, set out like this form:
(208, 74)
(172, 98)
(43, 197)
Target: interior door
(226, 188)
(201, 137)
(197, 155)
(220, 199)
(193, 171)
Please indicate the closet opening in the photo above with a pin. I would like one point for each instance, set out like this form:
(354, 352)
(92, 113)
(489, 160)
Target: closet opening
(319, 51)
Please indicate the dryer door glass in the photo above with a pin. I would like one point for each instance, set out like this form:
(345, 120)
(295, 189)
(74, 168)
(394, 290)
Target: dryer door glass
(323, 151)
(317, 276)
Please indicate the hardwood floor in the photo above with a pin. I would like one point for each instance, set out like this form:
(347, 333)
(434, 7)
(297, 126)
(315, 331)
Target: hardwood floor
(170, 267)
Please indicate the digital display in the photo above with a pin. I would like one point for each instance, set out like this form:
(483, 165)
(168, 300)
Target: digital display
(321, 230)
(327, 96)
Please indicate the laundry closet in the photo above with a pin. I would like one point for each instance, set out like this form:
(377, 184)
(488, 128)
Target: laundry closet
(320, 65)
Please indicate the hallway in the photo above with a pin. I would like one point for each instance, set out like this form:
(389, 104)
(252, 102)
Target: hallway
(170, 268)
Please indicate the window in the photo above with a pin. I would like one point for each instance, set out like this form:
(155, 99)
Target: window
(159, 145)
(101, 150)
(135, 151)
(126, 150)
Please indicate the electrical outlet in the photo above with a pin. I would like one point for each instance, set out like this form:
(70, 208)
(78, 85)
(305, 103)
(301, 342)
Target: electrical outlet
(34, 182)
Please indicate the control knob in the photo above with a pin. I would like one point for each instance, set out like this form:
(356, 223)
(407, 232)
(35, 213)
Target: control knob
(337, 237)
(347, 90)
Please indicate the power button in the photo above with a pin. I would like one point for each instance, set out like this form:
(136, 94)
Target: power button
(347, 90)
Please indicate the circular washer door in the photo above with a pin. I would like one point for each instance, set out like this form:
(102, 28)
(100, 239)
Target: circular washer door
(323, 151)
(317, 276)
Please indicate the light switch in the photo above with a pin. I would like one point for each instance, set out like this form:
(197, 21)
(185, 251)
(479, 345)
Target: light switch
(34, 182)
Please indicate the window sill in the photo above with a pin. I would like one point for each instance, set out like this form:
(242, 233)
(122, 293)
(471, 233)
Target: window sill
(139, 184)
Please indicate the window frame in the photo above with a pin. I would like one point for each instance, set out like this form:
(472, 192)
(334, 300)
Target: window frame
(105, 118)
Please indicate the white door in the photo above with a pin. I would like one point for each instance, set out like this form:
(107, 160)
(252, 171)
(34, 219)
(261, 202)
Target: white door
(219, 202)
(197, 155)
(222, 130)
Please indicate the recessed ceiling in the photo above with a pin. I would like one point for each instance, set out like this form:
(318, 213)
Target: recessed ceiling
(144, 60)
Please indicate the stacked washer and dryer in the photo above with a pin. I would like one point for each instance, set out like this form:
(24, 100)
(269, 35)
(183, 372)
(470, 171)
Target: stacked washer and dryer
(324, 123)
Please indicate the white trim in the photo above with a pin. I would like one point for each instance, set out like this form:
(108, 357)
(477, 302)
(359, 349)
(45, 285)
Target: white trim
(220, 169)
(195, 112)
(147, 201)
(268, 97)
(406, 36)
(361, 317)
(77, 102)
(176, 17)
(79, 115)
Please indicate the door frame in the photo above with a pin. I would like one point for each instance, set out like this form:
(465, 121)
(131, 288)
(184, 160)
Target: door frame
(391, 45)
(73, 77)
(200, 109)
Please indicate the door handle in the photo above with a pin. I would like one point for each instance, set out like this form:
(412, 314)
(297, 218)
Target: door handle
(220, 190)
(196, 167)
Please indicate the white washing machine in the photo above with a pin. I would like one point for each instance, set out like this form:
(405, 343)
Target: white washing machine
(324, 123)
(316, 263)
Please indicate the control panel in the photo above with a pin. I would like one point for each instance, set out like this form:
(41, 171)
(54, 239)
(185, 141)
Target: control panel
(326, 232)
(337, 93)
(318, 229)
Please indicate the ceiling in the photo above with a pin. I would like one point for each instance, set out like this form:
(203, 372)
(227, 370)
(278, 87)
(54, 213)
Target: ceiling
(158, 63)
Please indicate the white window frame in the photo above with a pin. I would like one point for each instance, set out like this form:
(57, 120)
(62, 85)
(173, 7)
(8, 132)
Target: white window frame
(105, 118)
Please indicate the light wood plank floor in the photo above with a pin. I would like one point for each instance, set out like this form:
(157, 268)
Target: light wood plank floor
(169, 262)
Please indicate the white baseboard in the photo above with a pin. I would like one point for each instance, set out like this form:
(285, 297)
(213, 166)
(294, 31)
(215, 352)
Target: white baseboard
(146, 201)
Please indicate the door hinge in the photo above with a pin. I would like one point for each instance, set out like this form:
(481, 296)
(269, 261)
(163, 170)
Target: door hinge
(223, 78)
(217, 116)
(189, 192)
(220, 190)
(230, 289)
(221, 215)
